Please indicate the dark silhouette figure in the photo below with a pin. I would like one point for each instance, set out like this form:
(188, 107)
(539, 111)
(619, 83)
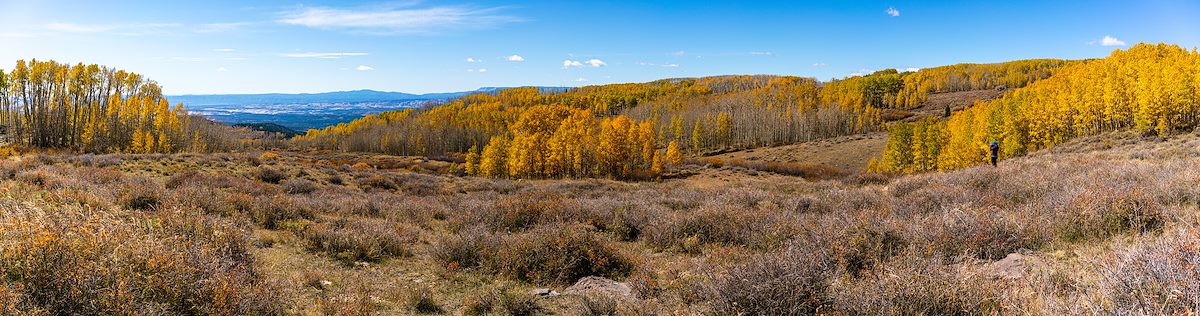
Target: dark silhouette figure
(995, 148)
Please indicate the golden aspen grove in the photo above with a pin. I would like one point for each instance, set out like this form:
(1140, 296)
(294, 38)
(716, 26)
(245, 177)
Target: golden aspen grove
(1148, 88)
(90, 108)
(624, 130)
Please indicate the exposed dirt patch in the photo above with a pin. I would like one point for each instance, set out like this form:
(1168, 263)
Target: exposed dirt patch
(846, 153)
(957, 101)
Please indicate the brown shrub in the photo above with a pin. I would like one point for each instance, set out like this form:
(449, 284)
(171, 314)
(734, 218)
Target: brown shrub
(919, 286)
(559, 255)
(468, 249)
(1155, 278)
(270, 212)
(269, 175)
(988, 234)
(141, 194)
(409, 182)
(71, 262)
(525, 210)
(420, 299)
(794, 282)
(360, 239)
(298, 186)
(503, 300)
(718, 224)
(1103, 214)
(864, 245)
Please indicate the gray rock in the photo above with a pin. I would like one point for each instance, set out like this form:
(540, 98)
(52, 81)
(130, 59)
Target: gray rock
(543, 293)
(594, 285)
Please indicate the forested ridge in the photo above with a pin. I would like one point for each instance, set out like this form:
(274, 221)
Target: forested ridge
(632, 130)
(1149, 88)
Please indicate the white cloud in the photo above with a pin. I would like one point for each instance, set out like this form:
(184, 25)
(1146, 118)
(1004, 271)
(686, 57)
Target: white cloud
(236, 58)
(911, 69)
(473, 60)
(364, 68)
(678, 53)
(1111, 41)
(892, 11)
(762, 53)
(222, 69)
(404, 19)
(820, 64)
(572, 63)
(670, 65)
(515, 58)
(594, 63)
(322, 55)
(581, 79)
(223, 50)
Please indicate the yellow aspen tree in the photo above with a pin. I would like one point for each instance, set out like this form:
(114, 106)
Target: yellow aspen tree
(472, 160)
(724, 129)
(656, 164)
(492, 161)
(674, 155)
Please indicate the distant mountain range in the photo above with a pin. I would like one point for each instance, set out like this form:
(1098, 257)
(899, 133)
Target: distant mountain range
(304, 111)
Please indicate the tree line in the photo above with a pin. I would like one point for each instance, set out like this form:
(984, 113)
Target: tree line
(91, 108)
(693, 116)
(1148, 88)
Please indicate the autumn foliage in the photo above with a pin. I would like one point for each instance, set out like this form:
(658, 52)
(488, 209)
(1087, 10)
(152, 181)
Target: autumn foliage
(1149, 88)
(91, 108)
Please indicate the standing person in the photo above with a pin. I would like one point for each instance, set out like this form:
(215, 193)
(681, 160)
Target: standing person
(995, 148)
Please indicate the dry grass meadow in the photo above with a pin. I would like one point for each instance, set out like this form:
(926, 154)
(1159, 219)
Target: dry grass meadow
(1106, 225)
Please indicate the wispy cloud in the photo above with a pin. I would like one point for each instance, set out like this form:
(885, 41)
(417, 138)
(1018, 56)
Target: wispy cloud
(820, 64)
(668, 65)
(183, 59)
(596, 63)
(912, 69)
(225, 50)
(1111, 41)
(892, 11)
(581, 79)
(762, 53)
(15, 35)
(473, 60)
(477, 70)
(222, 69)
(220, 27)
(322, 55)
(135, 29)
(515, 58)
(572, 64)
(364, 68)
(678, 53)
(401, 20)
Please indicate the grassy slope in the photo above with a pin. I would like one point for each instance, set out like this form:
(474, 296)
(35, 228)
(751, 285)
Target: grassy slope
(1097, 219)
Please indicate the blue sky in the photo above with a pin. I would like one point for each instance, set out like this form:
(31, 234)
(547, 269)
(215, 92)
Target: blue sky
(436, 46)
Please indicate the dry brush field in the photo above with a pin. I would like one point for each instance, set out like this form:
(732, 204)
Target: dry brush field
(1099, 226)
